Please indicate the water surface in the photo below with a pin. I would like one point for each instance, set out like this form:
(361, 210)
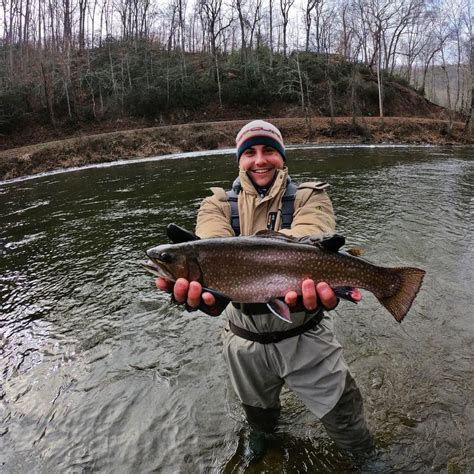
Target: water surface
(99, 372)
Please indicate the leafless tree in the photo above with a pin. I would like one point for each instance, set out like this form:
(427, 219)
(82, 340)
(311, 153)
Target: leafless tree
(285, 6)
(211, 15)
(468, 20)
(308, 18)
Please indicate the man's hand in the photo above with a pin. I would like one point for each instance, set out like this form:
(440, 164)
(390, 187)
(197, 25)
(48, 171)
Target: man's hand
(312, 294)
(191, 293)
(186, 292)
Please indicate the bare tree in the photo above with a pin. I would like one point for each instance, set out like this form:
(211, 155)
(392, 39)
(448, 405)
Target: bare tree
(347, 31)
(243, 22)
(468, 20)
(308, 18)
(211, 12)
(285, 6)
(254, 20)
(270, 30)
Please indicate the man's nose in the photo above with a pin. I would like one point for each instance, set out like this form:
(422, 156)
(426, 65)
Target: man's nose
(260, 157)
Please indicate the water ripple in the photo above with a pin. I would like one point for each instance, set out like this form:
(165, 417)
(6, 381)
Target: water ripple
(99, 372)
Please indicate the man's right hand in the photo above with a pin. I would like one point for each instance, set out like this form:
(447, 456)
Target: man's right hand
(185, 291)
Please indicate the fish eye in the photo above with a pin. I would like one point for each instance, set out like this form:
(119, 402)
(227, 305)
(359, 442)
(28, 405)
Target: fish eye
(166, 257)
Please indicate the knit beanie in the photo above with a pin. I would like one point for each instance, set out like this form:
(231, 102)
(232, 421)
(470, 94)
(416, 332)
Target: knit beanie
(259, 132)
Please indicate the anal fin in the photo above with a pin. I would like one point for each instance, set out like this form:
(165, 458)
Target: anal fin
(280, 309)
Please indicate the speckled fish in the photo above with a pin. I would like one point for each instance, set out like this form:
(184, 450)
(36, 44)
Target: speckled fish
(264, 267)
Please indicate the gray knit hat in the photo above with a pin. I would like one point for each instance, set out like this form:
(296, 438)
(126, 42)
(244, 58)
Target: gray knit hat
(259, 132)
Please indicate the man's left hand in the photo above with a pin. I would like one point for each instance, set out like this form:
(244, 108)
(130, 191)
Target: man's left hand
(312, 294)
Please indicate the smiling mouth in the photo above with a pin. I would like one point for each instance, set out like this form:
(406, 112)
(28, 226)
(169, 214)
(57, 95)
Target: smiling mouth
(262, 171)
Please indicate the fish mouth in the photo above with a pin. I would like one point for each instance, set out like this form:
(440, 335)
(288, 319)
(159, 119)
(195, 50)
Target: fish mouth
(157, 270)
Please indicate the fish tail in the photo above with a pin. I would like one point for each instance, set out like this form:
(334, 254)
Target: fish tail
(409, 283)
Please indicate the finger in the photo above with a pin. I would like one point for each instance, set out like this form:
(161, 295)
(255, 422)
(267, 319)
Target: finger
(164, 285)
(291, 298)
(194, 294)
(327, 295)
(310, 298)
(209, 298)
(180, 290)
(356, 294)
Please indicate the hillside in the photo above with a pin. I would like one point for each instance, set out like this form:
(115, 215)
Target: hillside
(324, 86)
(186, 114)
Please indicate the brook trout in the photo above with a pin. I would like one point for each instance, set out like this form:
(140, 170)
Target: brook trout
(264, 267)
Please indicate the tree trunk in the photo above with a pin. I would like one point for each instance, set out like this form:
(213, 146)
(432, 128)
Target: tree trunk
(354, 104)
(309, 125)
(470, 115)
(380, 87)
(271, 33)
(49, 101)
(218, 76)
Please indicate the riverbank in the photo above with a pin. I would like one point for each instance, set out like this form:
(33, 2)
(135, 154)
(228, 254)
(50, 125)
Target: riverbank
(145, 142)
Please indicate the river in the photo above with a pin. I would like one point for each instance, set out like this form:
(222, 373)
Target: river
(100, 373)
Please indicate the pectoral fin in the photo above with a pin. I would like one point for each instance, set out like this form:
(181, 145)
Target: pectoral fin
(280, 309)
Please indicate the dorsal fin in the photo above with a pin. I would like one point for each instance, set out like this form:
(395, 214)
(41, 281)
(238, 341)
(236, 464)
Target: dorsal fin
(331, 242)
(178, 235)
(272, 234)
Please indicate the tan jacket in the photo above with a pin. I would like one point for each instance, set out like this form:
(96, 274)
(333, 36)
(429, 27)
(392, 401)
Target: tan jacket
(313, 211)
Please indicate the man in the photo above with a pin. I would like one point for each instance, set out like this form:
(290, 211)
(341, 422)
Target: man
(306, 356)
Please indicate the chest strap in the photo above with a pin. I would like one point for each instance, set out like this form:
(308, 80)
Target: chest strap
(287, 206)
(277, 336)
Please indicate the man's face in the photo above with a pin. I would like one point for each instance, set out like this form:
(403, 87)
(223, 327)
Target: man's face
(261, 163)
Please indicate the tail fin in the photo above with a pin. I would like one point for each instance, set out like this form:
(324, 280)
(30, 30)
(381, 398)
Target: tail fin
(400, 302)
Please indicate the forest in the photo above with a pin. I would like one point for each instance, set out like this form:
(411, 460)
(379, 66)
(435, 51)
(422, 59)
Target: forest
(64, 62)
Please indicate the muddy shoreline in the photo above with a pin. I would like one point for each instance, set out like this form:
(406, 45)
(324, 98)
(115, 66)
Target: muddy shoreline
(146, 142)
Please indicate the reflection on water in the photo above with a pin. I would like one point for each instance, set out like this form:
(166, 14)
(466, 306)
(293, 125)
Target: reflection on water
(99, 372)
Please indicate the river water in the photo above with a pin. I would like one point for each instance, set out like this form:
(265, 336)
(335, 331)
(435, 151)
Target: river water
(100, 373)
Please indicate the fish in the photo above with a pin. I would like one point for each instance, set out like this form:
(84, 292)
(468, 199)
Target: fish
(264, 267)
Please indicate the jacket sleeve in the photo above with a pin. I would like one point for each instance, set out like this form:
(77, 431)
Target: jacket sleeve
(213, 219)
(313, 212)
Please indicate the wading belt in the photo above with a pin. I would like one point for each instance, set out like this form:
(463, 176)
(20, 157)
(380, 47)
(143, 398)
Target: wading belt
(277, 336)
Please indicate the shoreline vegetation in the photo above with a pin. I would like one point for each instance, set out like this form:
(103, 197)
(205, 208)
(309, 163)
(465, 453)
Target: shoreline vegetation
(155, 141)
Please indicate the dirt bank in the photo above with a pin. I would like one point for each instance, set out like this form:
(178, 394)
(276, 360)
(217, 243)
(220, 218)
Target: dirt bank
(106, 147)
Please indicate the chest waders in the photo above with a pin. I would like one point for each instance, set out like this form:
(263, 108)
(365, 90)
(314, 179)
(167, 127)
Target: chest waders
(287, 210)
(287, 207)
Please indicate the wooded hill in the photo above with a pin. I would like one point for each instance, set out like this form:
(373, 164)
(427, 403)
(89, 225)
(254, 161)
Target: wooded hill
(67, 65)
(114, 86)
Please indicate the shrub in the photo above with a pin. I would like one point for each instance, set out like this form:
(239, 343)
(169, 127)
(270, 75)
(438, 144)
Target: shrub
(14, 107)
